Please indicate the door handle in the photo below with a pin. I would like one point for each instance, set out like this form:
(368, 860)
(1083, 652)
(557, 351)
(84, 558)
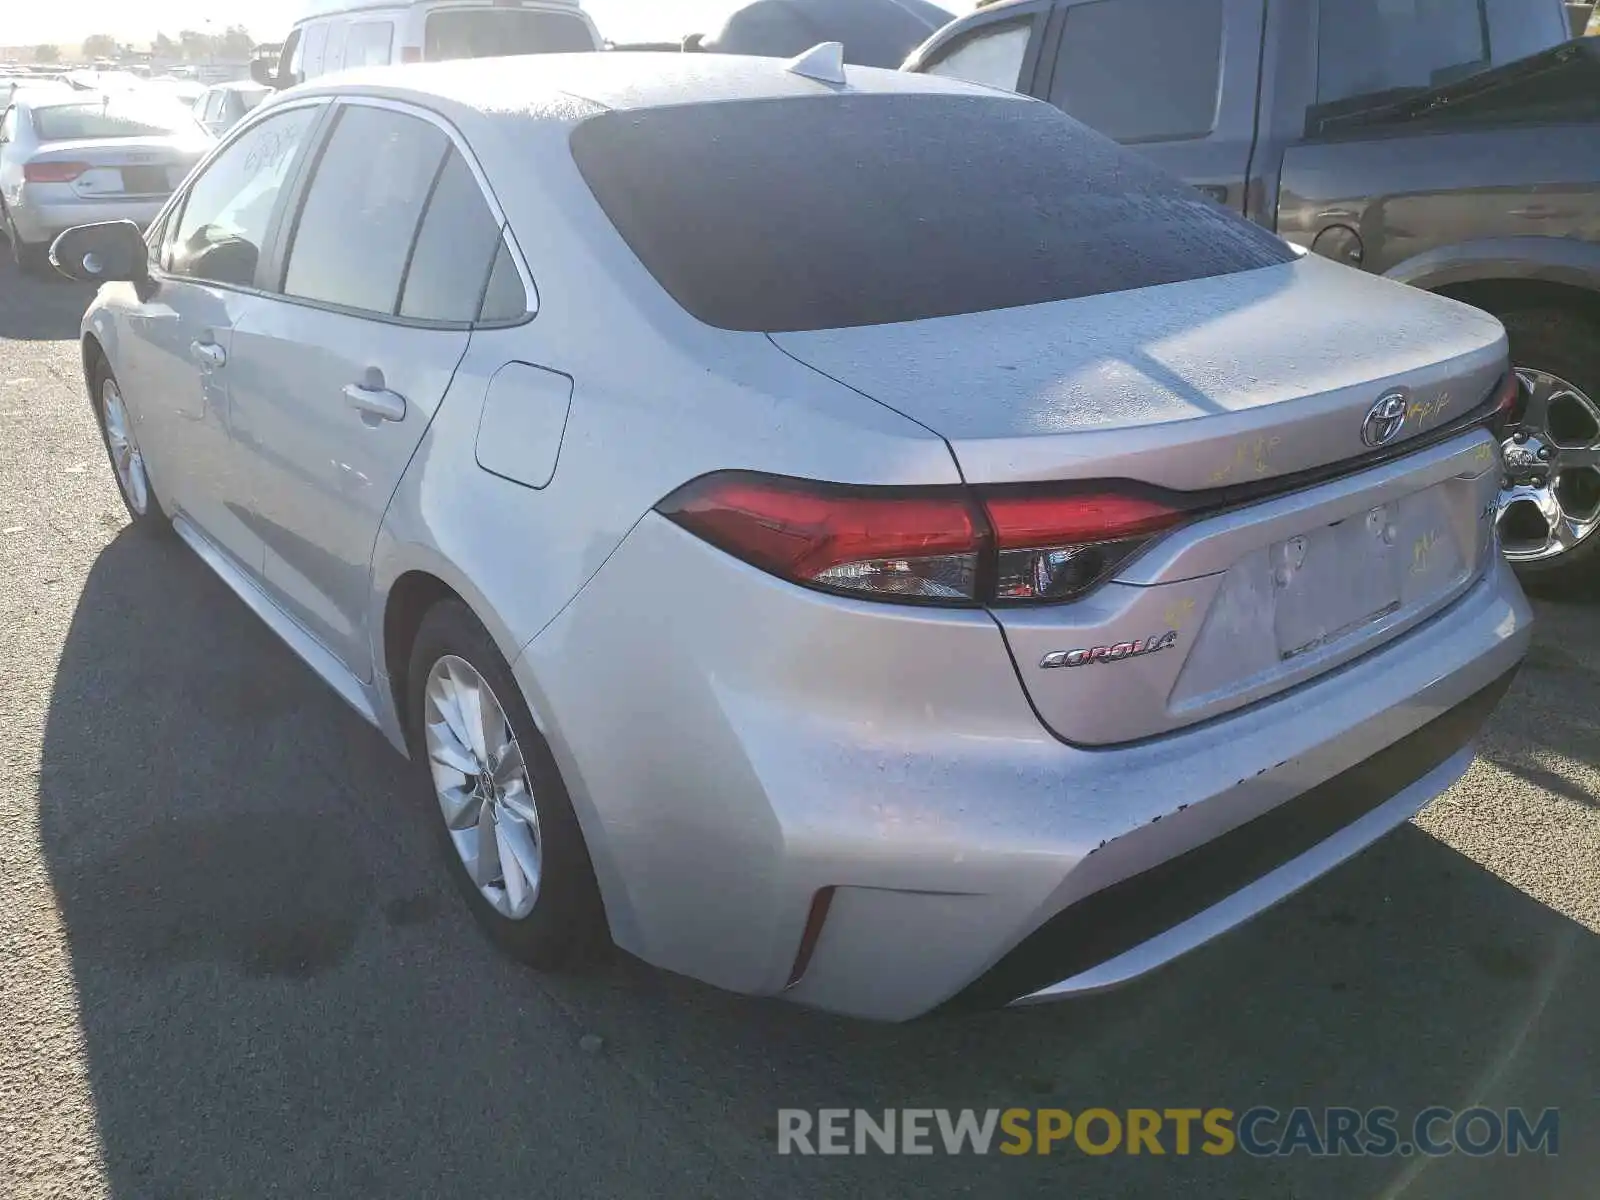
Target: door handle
(209, 353)
(372, 399)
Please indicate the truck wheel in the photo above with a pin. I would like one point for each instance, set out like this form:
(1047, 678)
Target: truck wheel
(1549, 518)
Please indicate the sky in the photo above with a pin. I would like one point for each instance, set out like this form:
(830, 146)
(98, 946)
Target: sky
(68, 21)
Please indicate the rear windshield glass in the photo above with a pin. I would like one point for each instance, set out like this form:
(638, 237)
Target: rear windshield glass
(64, 122)
(820, 213)
(489, 33)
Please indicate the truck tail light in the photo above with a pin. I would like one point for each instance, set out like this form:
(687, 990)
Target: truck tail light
(410, 54)
(52, 171)
(1509, 401)
(942, 545)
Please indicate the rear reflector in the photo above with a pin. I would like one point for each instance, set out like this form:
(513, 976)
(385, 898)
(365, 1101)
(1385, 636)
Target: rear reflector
(815, 920)
(52, 172)
(943, 545)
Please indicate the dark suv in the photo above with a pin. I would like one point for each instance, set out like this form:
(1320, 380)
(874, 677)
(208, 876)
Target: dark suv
(1449, 144)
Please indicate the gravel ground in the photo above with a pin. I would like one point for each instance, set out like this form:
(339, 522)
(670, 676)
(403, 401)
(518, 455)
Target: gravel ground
(229, 965)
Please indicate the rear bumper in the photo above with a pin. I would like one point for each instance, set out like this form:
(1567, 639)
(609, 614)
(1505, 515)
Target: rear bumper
(1142, 922)
(40, 223)
(734, 745)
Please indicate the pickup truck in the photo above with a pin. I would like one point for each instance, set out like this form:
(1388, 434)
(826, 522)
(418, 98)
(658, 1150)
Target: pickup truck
(1449, 144)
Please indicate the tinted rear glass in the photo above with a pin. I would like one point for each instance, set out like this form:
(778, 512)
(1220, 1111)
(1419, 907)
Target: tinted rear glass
(794, 214)
(489, 33)
(65, 122)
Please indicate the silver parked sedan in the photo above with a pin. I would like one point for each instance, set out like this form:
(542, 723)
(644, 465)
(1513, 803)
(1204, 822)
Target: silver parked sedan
(873, 541)
(67, 158)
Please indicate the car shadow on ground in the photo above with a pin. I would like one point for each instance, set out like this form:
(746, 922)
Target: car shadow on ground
(55, 304)
(280, 997)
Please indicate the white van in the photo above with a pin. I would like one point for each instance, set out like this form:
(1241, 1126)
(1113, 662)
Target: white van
(334, 35)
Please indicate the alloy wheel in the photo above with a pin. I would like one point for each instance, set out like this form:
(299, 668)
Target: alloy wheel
(484, 790)
(125, 457)
(1550, 495)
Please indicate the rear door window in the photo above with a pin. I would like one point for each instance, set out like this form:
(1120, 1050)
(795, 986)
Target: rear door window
(491, 32)
(992, 55)
(454, 251)
(1141, 70)
(862, 209)
(369, 45)
(504, 299)
(333, 50)
(1367, 47)
(312, 49)
(359, 219)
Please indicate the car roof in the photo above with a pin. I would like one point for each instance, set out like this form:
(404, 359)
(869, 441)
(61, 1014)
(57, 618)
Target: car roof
(549, 85)
(311, 9)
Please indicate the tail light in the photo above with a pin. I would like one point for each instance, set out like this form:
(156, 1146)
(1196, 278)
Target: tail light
(1509, 401)
(1055, 547)
(947, 545)
(52, 172)
(410, 54)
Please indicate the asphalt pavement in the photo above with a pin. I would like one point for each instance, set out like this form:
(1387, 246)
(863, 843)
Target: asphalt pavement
(230, 965)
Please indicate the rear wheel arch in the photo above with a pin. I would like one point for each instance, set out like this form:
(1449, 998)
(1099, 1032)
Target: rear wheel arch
(1503, 295)
(94, 357)
(411, 596)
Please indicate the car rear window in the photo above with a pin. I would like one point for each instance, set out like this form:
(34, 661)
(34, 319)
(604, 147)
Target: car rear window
(495, 32)
(821, 213)
(64, 122)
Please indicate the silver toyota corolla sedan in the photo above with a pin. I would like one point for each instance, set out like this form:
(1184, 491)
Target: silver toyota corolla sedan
(849, 535)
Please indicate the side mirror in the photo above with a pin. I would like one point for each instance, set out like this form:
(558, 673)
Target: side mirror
(107, 252)
(261, 72)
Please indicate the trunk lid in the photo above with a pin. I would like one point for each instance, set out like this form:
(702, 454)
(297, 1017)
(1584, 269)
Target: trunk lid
(1202, 387)
(127, 167)
(1232, 379)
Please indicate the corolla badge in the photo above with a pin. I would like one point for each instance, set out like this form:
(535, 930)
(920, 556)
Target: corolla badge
(1120, 652)
(1385, 419)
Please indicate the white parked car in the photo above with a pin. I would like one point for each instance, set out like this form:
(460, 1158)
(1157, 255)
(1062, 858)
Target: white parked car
(222, 107)
(838, 533)
(336, 35)
(69, 157)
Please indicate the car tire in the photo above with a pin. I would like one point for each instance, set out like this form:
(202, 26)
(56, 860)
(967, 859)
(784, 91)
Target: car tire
(566, 925)
(31, 258)
(1564, 344)
(119, 437)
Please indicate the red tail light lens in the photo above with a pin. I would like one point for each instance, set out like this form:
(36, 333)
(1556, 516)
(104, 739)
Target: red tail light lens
(928, 545)
(1509, 400)
(52, 172)
(893, 543)
(1057, 546)
(410, 54)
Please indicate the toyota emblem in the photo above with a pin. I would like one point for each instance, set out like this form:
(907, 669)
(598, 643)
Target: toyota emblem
(1385, 419)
